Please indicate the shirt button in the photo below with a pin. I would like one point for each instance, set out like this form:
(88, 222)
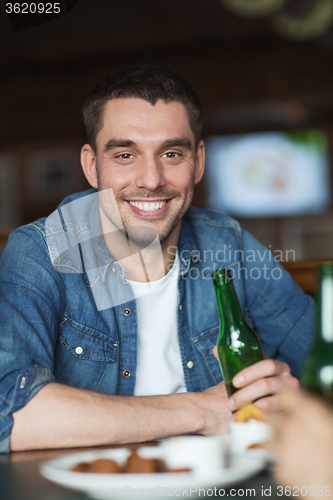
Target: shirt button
(113, 270)
(180, 307)
(79, 350)
(126, 373)
(190, 364)
(127, 311)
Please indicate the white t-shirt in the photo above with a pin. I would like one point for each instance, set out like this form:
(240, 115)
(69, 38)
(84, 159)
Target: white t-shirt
(159, 364)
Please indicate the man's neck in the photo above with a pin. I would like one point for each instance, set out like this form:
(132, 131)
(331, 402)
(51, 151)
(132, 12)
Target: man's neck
(141, 262)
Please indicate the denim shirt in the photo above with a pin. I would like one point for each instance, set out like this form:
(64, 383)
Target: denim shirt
(52, 330)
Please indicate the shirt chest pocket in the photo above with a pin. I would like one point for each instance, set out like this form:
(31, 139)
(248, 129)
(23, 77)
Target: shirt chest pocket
(86, 358)
(87, 344)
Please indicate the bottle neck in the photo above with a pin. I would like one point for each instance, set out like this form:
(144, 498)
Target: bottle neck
(325, 306)
(228, 304)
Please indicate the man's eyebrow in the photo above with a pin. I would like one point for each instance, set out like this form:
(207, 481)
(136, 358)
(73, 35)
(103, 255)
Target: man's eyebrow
(127, 143)
(118, 143)
(177, 141)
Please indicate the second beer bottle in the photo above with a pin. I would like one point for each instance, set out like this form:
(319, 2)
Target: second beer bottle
(238, 346)
(318, 371)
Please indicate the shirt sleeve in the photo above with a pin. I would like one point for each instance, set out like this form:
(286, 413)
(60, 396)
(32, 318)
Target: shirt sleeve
(282, 314)
(31, 301)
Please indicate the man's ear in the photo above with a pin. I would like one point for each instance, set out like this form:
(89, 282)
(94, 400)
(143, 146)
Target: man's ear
(89, 167)
(199, 162)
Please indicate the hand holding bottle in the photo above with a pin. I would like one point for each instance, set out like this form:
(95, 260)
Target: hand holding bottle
(261, 383)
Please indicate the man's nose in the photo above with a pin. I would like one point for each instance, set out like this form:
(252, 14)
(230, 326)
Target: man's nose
(150, 174)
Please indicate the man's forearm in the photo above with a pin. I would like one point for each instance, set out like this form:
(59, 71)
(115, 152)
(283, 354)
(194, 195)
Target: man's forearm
(60, 416)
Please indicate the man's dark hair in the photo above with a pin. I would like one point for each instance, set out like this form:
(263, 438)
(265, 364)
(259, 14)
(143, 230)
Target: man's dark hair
(145, 82)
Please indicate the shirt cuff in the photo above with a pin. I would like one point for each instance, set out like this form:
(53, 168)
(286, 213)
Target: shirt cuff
(28, 383)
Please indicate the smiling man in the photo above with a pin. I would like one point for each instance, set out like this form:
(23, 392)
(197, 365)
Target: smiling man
(107, 307)
(147, 154)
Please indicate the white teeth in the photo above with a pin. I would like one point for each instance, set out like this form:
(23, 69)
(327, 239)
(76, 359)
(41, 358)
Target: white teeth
(148, 207)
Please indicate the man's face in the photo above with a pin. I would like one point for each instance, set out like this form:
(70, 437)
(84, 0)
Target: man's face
(147, 155)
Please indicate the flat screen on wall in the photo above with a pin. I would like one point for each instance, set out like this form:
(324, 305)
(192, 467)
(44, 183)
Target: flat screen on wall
(268, 174)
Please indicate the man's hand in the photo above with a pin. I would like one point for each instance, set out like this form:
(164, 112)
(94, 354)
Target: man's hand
(261, 383)
(213, 404)
(303, 445)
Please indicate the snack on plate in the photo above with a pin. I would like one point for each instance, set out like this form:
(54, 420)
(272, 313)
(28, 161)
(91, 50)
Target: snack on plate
(101, 465)
(249, 412)
(255, 446)
(135, 464)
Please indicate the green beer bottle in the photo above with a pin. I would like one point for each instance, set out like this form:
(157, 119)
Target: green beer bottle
(318, 370)
(238, 346)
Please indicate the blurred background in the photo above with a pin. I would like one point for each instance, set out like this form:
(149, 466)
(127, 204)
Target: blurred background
(263, 70)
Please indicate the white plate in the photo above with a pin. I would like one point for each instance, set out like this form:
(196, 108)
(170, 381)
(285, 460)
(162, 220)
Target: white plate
(110, 486)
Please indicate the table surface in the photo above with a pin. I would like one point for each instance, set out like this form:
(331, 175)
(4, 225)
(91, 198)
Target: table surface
(20, 480)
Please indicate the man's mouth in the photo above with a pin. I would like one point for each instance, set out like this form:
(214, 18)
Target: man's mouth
(148, 207)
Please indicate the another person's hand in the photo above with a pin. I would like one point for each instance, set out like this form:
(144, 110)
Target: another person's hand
(303, 445)
(260, 383)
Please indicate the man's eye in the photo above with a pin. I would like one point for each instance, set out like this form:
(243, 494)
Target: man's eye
(125, 156)
(171, 154)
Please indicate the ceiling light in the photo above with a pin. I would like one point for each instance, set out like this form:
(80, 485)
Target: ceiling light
(254, 8)
(307, 25)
